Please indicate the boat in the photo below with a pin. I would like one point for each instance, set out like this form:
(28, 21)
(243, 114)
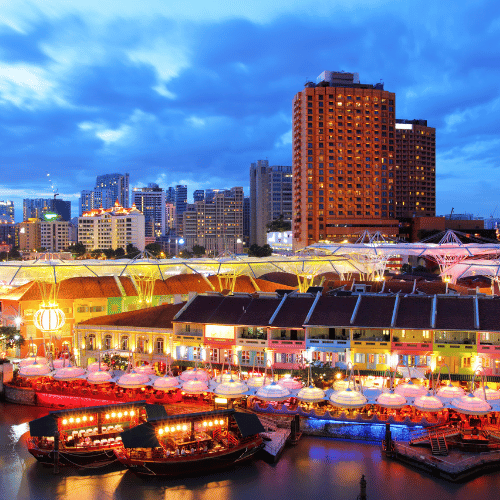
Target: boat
(86, 436)
(193, 443)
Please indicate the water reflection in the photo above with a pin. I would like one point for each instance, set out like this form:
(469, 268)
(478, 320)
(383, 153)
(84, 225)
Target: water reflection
(314, 469)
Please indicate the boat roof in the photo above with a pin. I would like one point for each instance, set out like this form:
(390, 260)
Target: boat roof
(100, 408)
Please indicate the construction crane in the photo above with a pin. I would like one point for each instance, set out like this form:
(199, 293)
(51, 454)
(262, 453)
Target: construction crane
(54, 190)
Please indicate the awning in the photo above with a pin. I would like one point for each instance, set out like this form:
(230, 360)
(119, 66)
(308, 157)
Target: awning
(248, 424)
(155, 411)
(43, 427)
(141, 436)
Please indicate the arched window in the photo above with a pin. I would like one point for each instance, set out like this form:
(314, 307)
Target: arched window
(124, 343)
(107, 341)
(159, 345)
(142, 344)
(91, 342)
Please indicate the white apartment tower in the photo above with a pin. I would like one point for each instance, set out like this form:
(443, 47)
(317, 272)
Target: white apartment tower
(111, 228)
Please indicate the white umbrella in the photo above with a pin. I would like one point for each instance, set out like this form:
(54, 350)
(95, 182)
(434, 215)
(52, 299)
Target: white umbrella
(410, 390)
(311, 394)
(96, 366)
(68, 373)
(471, 405)
(165, 383)
(273, 392)
(450, 392)
(391, 400)
(291, 384)
(348, 399)
(145, 369)
(99, 377)
(33, 361)
(491, 394)
(133, 380)
(195, 386)
(36, 370)
(428, 402)
(232, 389)
(192, 374)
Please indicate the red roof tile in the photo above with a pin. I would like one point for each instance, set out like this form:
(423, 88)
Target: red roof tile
(152, 317)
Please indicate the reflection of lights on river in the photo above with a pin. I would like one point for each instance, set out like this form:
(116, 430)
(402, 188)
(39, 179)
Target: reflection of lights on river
(16, 431)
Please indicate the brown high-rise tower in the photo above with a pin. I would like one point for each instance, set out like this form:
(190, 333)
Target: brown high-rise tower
(343, 160)
(415, 169)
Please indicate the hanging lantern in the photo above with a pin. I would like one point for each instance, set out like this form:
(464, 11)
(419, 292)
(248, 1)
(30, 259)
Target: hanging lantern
(49, 318)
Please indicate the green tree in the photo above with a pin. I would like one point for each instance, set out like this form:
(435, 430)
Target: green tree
(260, 251)
(78, 249)
(154, 249)
(10, 337)
(119, 252)
(279, 225)
(198, 250)
(132, 251)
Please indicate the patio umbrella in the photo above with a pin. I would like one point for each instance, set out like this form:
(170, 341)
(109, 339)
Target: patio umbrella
(99, 377)
(69, 373)
(348, 399)
(428, 402)
(391, 400)
(232, 389)
(36, 370)
(195, 386)
(410, 390)
(450, 392)
(491, 394)
(471, 405)
(133, 380)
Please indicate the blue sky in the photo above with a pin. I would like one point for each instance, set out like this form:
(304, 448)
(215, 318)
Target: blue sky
(192, 93)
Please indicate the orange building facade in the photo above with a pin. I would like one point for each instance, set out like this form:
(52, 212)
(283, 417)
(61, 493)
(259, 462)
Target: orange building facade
(343, 161)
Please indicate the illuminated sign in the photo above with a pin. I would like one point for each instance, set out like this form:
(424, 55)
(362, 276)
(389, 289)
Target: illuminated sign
(50, 216)
(221, 332)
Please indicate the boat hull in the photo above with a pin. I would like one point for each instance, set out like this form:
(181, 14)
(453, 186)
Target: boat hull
(98, 457)
(190, 464)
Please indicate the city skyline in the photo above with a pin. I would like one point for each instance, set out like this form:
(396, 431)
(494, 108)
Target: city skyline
(194, 97)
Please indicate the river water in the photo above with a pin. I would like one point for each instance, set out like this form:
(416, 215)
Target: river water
(317, 468)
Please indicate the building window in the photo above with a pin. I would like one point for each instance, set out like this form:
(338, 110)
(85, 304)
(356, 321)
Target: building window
(124, 343)
(159, 345)
(91, 342)
(107, 342)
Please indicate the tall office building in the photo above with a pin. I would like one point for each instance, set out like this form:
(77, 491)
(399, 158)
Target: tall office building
(7, 209)
(151, 202)
(343, 160)
(198, 195)
(97, 198)
(415, 173)
(246, 220)
(216, 225)
(29, 234)
(170, 195)
(118, 184)
(180, 205)
(54, 235)
(7, 231)
(38, 207)
(270, 197)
